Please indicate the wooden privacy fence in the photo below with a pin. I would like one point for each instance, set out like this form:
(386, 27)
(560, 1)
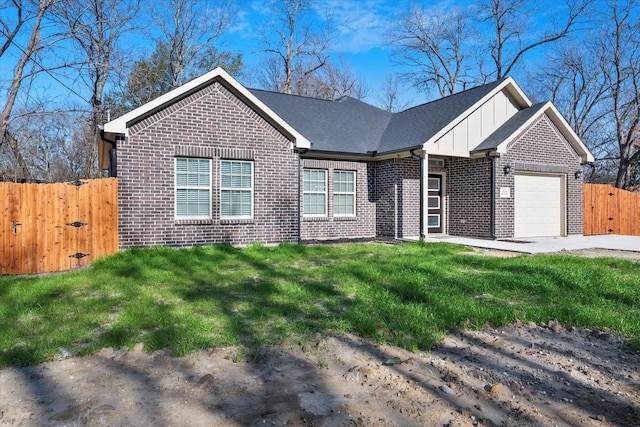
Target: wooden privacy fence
(55, 227)
(610, 210)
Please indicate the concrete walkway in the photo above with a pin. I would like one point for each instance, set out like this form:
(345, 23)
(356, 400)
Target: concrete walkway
(537, 245)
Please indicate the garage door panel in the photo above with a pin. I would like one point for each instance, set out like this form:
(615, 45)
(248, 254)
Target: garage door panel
(539, 206)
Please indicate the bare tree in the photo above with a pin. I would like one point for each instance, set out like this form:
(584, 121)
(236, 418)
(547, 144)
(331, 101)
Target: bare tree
(150, 77)
(332, 82)
(28, 16)
(436, 43)
(634, 175)
(184, 49)
(269, 75)
(297, 60)
(595, 82)
(586, 115)
(571, 78)
(296, 50)
(11, 27)
(389, 96)
(41, 137)
(96, 27)
(450, 49)
(619, 47)
(188, 28)
(512, 34)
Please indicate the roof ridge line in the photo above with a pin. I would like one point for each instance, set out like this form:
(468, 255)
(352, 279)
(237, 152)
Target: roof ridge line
(313, 97)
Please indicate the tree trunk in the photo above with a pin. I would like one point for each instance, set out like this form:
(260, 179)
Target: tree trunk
(16, 82)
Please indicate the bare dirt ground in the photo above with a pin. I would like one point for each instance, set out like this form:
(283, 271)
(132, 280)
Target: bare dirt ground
(519, 375)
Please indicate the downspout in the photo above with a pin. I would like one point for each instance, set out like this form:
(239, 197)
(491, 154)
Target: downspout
(113, 163)
(492, 212)
(113, 171)
(300, 153)
(421, 158)
(374, 165)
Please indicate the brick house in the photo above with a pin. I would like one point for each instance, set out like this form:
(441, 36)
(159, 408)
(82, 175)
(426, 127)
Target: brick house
(213, 161)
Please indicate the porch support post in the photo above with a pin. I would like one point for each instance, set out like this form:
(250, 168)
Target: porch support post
(424, 190)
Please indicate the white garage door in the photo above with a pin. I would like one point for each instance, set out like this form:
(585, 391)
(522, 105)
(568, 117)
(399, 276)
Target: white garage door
(539, 206)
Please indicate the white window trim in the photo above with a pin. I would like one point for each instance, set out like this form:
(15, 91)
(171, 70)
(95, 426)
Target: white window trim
(355, 204)
(325, 193)
(238, 189)
(176, 187)
(434, 226)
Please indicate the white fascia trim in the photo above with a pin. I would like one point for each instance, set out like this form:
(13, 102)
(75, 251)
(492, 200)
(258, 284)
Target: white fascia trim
(509, 84)
(120, 125)
(569, 133)
(563, 126)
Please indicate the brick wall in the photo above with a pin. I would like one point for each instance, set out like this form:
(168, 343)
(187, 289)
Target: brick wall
(210, 123)
(469, 197)
(398, 198)
(213, 123)
(385, 198)
(541, 148)
(363, 225)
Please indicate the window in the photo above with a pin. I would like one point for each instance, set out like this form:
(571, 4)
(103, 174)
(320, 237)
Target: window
(315, 192)
(436, 163)
(344, 193)
(193, 188)
(433, 184)
(433, 221)
(433, 202)
(236, 189)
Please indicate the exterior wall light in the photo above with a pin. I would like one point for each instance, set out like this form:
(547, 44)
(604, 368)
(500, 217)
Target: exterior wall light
(507, 170)
(578, 174)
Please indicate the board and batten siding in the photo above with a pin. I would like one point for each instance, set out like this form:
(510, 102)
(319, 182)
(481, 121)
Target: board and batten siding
(473, 129)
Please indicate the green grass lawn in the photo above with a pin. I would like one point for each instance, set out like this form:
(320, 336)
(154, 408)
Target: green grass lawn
(406, 294)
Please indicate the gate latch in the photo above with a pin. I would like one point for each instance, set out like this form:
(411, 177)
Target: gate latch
(15, 225)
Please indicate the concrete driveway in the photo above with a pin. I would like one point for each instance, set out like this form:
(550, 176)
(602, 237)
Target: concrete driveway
(537, 245)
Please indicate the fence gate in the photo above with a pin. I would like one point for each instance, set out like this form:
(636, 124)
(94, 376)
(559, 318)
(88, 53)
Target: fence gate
(610, 210)
(55, 227)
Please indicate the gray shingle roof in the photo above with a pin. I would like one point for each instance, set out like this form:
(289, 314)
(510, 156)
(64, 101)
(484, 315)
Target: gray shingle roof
(347, 125)
(415, 126)
(508, 128)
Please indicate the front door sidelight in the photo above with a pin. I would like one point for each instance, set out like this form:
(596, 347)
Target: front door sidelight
(434, 204)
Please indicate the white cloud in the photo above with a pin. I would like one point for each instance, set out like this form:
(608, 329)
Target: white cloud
(360, 25)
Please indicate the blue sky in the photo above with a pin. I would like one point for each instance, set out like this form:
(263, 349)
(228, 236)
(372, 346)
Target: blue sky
(359, 35)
